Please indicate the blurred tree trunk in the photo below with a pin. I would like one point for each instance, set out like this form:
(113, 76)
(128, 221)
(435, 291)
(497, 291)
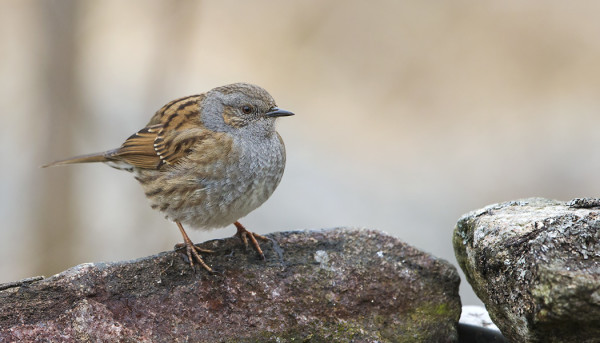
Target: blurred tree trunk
(60, 103)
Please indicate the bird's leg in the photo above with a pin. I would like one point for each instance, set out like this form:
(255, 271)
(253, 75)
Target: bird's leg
(191, 249)
(243, 234)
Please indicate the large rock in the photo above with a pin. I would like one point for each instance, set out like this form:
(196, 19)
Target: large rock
(535, 264)
(333, 285)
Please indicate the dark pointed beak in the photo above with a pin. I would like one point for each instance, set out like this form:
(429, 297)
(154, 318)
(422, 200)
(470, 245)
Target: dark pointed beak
(277, 112)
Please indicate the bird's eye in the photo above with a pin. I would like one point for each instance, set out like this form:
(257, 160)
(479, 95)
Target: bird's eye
(247, 109)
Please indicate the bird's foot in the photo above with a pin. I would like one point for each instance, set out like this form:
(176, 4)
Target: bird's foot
(191, 250)
(243, 234)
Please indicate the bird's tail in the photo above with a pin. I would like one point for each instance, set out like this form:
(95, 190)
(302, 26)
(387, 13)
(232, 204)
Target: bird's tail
(96, 157)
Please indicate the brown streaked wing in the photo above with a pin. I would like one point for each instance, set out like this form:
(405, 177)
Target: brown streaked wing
(138, 150)
(168, 137)
(172, 145)
(175, 106)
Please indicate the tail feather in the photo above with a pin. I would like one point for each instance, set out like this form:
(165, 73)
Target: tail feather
(96, 157)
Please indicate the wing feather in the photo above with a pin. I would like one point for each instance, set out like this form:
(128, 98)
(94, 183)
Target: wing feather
(169, 136)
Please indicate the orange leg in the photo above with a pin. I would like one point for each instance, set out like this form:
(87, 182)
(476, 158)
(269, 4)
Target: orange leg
(191, 249)
(243, 234)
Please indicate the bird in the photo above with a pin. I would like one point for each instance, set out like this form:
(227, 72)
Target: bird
(205, 160)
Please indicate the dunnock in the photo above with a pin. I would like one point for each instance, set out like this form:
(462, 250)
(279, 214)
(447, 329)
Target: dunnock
(206, 160)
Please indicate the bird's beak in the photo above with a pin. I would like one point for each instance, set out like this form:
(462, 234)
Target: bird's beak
(276, 112)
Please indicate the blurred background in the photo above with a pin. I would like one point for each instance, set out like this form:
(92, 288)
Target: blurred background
(408, 114)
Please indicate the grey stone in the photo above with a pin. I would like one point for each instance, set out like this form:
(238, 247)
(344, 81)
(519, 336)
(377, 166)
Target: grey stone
(535, 263)
(339, 285)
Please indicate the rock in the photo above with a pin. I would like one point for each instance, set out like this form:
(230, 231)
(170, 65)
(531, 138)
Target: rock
(535, 264)
(339, 285)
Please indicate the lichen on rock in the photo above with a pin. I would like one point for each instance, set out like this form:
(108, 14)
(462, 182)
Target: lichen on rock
(535, 263)
(339, 285)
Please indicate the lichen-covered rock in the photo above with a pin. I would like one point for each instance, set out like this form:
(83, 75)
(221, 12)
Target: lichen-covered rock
(336, 285)
(535, 263)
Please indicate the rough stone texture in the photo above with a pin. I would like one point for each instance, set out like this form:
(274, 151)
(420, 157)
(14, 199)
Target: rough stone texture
(336, 285)
(535, 263)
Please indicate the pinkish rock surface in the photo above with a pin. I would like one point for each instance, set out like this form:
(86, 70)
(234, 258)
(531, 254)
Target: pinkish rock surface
(339, 285)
